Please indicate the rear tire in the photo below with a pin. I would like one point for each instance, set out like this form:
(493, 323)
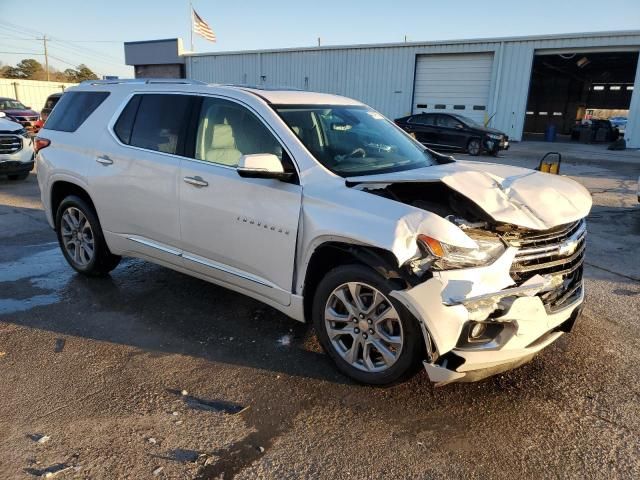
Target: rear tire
(373, 339)
(81, 240)
(19, 176)
(474, 147)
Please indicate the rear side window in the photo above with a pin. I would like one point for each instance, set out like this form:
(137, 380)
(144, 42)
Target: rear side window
(156, 122)
(423, 120)
(73, 109)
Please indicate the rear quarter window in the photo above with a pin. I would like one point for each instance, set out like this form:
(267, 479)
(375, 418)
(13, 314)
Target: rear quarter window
(73, 109)
(156, 122)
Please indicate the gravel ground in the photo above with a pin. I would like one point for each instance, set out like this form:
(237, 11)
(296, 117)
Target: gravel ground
(153, 374)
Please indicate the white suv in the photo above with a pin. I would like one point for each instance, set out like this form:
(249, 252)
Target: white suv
(16, 150)
(319, 206)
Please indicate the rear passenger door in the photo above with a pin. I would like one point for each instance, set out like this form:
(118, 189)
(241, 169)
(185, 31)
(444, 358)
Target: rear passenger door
(134, 178)
(238, 231)
(423, 127)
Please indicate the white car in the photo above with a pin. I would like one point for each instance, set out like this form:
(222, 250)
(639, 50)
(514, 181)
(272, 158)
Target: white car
(16, 150)
(319, 206)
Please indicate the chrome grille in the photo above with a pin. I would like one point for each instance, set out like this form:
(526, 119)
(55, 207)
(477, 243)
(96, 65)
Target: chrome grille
(558, 252)
(10, 144)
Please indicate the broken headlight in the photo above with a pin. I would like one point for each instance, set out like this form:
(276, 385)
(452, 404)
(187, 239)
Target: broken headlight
(448, 257)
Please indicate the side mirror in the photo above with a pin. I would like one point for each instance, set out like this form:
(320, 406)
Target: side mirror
(262, 165)
(2, 114)
(459, 125)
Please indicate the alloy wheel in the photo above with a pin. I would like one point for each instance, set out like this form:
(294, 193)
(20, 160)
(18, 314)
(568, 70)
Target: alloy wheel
(364, 327)
(77, 236)
(474, 147)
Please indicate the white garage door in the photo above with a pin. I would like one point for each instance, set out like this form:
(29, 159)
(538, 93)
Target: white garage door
(457, 83)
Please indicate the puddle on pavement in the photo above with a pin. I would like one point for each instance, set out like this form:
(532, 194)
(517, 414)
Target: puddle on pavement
(45, 270)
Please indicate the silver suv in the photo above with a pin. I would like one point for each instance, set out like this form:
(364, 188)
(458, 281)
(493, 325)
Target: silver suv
(319, 206)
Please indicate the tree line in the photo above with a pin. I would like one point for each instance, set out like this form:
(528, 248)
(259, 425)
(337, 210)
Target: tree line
(31, 69)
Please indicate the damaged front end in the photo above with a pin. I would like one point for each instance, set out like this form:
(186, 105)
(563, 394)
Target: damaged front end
(484, 320)
(489, 301)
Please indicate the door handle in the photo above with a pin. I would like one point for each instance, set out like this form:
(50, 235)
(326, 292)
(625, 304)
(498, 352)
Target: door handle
(104, 160)
(196, 181)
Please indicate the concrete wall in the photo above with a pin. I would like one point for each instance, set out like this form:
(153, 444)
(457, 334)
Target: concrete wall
(32, 93)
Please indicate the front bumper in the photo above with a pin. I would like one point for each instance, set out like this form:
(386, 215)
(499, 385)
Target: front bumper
(493, 145)
(21, 161)
(485, 295)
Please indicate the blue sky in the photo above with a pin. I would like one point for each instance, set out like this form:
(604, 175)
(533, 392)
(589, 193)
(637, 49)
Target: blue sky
(92, 32)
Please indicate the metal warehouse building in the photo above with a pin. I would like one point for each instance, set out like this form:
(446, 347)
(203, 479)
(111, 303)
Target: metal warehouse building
(519, 85)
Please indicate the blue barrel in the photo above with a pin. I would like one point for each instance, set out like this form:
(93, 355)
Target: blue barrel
(550, 133)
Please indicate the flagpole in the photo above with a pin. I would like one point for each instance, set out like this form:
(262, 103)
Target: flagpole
(191, 22)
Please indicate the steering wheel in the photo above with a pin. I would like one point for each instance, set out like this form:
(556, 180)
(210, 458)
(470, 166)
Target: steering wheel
(358, 152)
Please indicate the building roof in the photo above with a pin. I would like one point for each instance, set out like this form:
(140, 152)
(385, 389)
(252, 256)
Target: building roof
(559, 36)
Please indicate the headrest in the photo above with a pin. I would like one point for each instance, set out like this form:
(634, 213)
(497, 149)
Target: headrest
(223, 136)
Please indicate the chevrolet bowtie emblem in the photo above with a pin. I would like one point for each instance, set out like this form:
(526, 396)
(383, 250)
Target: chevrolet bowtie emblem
(568, 248)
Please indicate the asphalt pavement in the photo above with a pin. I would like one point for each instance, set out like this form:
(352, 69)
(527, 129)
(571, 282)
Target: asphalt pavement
(153, 374)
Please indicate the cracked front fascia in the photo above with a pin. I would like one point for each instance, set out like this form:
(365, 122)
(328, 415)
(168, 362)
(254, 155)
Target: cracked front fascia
(440, 302)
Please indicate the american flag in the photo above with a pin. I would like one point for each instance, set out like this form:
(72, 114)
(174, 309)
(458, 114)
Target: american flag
(201, 27)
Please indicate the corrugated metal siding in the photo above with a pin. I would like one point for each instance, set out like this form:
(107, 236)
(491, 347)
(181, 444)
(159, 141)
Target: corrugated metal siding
(383, 76)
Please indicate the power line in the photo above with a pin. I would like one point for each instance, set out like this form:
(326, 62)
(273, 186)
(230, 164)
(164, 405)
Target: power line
(86, 49)
(24, 53)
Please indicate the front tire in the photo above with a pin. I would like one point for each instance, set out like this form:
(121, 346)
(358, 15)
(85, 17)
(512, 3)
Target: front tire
(474, 147)
(81, 240)
(369, 335)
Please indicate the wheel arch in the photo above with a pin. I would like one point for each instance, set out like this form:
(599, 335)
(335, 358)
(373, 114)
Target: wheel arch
(332, 253)
(60, 189)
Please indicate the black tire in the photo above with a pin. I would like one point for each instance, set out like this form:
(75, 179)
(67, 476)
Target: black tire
(103, 261)
(19, 176)
(474, 147)
(412, 351)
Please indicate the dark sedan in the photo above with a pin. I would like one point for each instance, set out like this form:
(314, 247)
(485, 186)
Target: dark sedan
(445, 131)
(16, 111)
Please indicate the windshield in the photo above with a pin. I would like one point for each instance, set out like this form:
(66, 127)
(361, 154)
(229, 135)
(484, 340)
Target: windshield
(353, 140)
(8, 104)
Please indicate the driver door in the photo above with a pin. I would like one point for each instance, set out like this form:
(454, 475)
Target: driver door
(238, 231)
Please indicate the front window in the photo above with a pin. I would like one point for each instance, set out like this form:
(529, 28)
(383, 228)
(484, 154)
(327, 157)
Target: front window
(468, 121)
(8, 104)
(352, 140)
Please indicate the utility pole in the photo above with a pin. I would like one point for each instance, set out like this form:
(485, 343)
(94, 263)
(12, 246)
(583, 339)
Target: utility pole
(46, 55)
(318, 41)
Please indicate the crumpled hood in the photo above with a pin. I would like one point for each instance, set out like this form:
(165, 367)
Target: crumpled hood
(515, 195)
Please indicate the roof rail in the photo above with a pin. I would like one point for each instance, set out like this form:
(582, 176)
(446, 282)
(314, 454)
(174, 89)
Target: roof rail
(147, 81)
(263, 87)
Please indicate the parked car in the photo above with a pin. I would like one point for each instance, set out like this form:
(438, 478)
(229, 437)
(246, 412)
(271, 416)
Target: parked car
(595, 130)
(319, 206)
(48, 106)
(16, 150)
(444, 131)
(14, 110)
